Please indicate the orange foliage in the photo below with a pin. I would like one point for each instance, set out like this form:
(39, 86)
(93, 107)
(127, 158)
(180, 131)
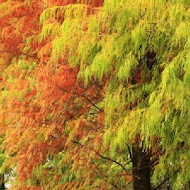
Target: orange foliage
(49, 101)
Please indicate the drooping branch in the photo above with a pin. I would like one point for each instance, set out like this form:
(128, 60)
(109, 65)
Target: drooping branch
(106, 158)
(112, 160)
(84, 96)
(162, 183)
(165, 180)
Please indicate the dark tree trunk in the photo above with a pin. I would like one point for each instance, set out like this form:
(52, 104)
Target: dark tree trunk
(141, 169)
(2, 182)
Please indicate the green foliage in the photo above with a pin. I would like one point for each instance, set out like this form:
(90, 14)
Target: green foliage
(162, 100)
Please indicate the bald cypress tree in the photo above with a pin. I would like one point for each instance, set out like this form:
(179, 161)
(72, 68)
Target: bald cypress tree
(141, 49)
(111, 110)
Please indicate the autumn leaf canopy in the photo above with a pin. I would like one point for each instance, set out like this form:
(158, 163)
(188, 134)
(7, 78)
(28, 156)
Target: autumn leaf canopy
(84, 82)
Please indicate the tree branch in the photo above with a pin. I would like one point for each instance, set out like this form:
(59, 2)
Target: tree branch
(130, 153)
(164, 181)
(110, 159)
(106, 158)
(79, 96)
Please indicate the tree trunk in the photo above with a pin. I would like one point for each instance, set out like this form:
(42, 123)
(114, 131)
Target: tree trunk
(2, 182)
(140, 169)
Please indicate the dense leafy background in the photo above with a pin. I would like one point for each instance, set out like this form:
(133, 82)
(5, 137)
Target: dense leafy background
(84, 81)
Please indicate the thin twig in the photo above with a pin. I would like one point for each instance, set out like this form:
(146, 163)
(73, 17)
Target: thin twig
(130, 153)
(79, 96)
